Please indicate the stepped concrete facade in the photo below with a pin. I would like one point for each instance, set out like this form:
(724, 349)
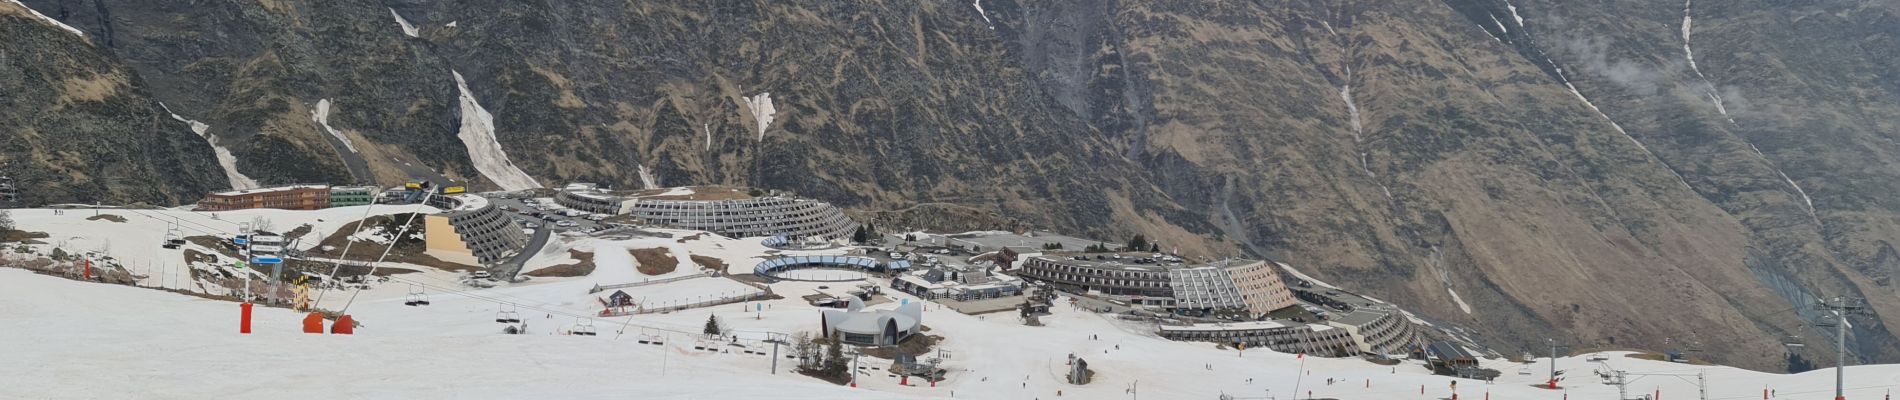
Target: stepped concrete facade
(725, 211)
(1249, 287)
(1281, 336)
(470, 230)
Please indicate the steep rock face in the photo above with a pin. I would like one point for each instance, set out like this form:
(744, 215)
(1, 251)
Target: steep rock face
(1436, 154)
(1525, 168)
(76, 125)
(1384, 147)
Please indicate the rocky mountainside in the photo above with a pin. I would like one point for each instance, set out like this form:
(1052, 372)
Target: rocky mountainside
(1611, 173)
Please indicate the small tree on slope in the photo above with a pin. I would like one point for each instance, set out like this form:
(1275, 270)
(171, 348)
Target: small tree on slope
(712, 326)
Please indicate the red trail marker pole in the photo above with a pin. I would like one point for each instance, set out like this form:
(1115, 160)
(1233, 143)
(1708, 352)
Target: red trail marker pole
(244, 319)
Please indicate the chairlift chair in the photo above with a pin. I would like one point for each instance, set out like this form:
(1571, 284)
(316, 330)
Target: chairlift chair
(172, 238)
(584, 328)
(416, 297)
(508, 316)
(1793, 342)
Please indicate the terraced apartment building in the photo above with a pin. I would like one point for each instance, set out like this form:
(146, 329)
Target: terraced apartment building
(1248, 287)
(470, 230)
(1281, 336)
(727, 211)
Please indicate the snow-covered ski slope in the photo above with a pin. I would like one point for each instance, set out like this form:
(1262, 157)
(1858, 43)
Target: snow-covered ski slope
(64, 334)
(69, 339)
(120, 342)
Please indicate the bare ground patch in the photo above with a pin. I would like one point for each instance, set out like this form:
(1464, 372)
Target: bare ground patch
(711, 263)
(579, 268)
(22, 236)
(655, 261)
(106, 217)
(409, 251)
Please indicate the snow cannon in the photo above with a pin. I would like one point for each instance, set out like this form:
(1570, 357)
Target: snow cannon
(344, 325)
(313, 323)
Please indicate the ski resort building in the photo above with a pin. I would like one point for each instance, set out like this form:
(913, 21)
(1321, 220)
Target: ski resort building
(949, 283)
(853, 325)
(471, 231)
(345, 196)
(1249, 288)
(726, 211)
(1378, 331)
(1281, 336)
(291, 197)
(591, 198)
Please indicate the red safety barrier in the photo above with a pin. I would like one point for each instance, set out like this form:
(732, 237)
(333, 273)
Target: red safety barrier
(244, 320)
(343, 326)
(313, 323)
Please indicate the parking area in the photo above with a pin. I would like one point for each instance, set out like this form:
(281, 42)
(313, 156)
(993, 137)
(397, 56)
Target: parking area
(525, 211)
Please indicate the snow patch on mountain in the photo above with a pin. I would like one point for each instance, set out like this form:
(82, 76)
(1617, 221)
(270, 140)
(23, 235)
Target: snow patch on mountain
(407, 29)
(707, 128)
(1514, 15)
(50, 20)
(322, 117)
(762, 111)
(1352, 110)
(1494, 20)
(986, 16)
(1619, 127)
(478, 134)
(1715, 96)
(451, 24)
(646, 178)
(226, 161)
(1784, 177)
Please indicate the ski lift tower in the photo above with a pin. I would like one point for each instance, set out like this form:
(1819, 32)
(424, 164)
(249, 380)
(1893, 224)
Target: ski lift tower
(1839, 309)
(1553, 362)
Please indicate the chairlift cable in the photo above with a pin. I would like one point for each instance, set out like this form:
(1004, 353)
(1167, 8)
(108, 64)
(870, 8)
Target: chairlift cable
(392, 246)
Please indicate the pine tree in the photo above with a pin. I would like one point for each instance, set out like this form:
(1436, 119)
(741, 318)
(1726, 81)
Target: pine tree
(859, 235)
(806, 351)
(6, 221)
(1137, 243)
(712, 326)
(835, 363)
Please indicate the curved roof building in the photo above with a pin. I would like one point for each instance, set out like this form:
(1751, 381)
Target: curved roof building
(872, 328)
